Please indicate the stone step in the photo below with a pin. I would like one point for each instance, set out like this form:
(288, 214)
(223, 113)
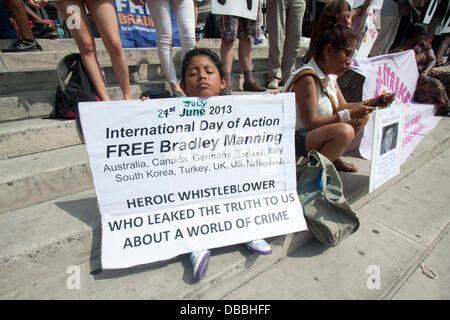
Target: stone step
(135, 56)
(68, 44)
(16, 82)
(52, 236)
(31, 179)
(44, 242)
(24, 137)
(39, 103)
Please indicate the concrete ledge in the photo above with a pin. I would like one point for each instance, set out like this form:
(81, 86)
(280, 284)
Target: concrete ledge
(35, 104)
(28, 61)
(43, 240)
(32, 104)
(36, 135)
(35, 178)
(16, 82)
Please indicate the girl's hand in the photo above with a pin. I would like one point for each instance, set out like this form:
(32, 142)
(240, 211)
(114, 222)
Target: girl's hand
(38, 3)
(138, 2)
(382, 101)
(360, 111)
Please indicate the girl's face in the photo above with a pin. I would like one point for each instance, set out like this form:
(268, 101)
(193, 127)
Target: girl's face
(341, 60)
(202, 78)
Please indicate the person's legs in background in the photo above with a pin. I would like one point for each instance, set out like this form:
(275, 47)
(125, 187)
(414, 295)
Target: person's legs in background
(245, 60)
(248, 29)
(86, 45)
(40, 27)
(276, 20)
(183, 10)
(27, 41)
(104, 16)
(160, 11)
(293, 34)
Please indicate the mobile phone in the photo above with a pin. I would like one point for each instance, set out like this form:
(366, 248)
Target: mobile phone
(386, 97)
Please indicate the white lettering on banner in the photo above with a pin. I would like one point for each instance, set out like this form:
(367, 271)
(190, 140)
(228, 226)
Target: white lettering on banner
(125, 4)
(175, 179)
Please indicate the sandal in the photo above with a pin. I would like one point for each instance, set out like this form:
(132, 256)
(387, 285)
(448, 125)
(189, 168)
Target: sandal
(253, 86)
(343, 166)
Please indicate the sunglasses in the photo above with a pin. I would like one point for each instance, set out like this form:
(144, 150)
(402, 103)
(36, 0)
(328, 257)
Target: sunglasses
(348, 54)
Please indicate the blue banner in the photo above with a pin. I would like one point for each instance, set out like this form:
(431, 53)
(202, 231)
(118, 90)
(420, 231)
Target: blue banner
(136, 27)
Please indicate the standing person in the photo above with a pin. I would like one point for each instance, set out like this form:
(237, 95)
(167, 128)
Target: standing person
(284, 24)
(26, 42)
(390, 20)
(232, 28)
(104, 16)
(326, 122)
(160, 12)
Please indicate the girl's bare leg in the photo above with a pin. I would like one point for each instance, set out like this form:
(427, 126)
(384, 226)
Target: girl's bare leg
(104, 16)
(86, 45)
(330, 140)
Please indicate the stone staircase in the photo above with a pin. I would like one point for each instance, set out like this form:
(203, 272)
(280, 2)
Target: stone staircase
(49, 220)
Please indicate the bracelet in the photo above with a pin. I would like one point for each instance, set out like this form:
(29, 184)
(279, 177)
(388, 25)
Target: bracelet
(344, 115)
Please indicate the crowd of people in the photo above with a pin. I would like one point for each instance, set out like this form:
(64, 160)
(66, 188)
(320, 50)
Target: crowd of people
(325, 121)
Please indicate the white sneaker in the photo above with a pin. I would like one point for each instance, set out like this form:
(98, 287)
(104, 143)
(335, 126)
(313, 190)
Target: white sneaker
(259, 247)
(273, 84)
(199, 260)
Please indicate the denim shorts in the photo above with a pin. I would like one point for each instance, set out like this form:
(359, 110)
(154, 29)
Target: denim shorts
(300, 144)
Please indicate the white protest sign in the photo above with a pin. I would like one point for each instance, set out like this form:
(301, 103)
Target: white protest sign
(419, 121)
(182, 174)
(395, 73)
(238, 8)
(387, 146)
(446, 25)
(368, 34)
(430, 11)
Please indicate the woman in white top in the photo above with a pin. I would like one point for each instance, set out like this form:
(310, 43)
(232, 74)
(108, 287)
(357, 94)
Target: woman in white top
(318, 126)
(185, 15)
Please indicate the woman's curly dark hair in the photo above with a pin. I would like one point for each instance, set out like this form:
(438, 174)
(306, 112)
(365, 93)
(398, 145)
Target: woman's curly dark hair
(328, 30)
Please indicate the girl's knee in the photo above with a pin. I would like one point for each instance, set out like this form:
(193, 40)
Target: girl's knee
(345, 132)
(114, 46)
(87, 48)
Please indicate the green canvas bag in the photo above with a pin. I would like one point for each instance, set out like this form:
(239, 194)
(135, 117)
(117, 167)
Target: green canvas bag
(328, 215)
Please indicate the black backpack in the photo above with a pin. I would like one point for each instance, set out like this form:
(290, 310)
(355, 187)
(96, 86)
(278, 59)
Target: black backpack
(74, 86)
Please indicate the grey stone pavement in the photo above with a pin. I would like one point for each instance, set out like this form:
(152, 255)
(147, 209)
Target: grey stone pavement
(401, 250)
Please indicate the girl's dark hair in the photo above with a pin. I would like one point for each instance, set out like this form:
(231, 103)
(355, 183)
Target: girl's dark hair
(328, 30)
(416, 30)
(197, 52)
(328, 16)
(338, 36)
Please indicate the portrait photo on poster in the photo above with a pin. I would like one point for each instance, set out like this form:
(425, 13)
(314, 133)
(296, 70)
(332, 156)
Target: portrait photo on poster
(389, 138)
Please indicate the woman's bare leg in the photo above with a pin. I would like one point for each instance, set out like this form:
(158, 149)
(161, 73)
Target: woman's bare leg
(330, 140)
(104, 16)
(86, 45)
